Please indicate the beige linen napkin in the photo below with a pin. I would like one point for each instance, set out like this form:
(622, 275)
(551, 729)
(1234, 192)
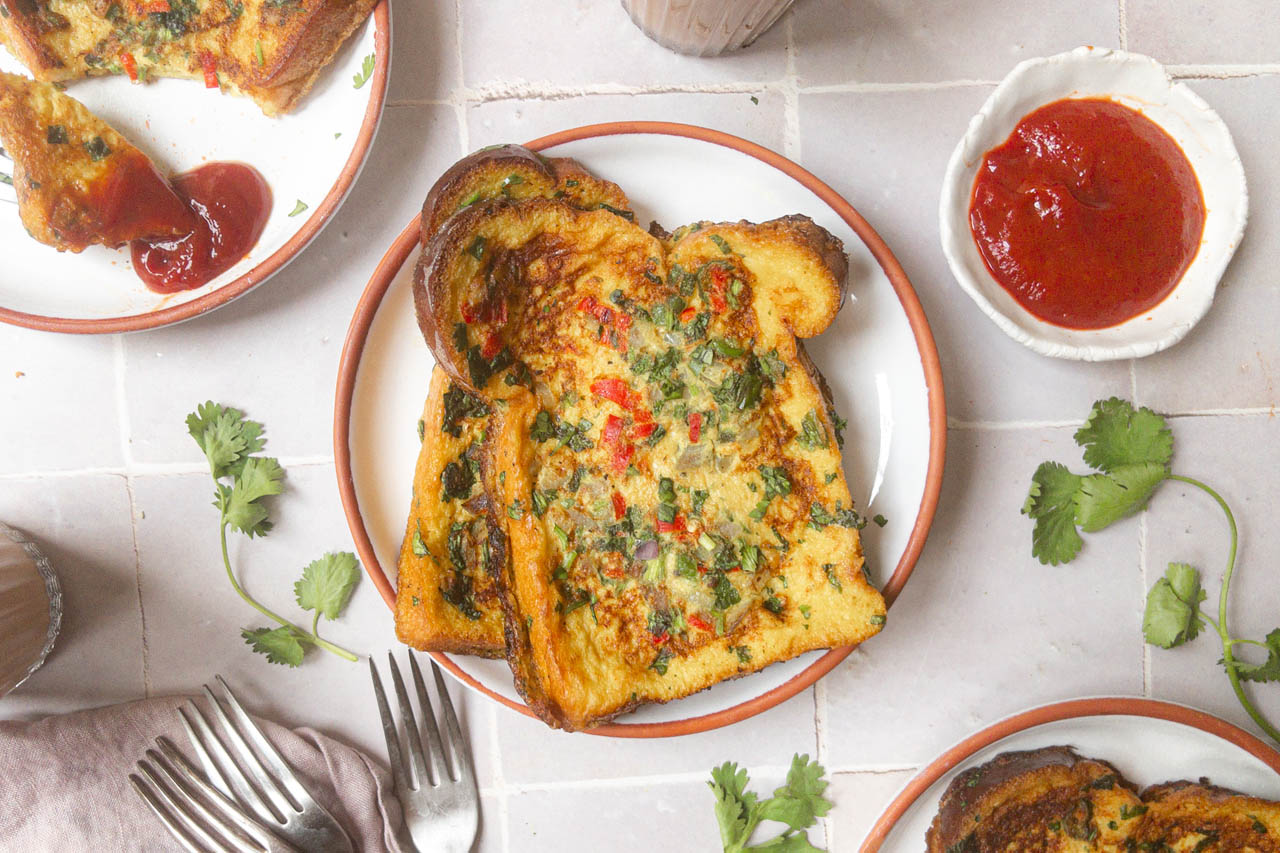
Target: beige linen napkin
(64, 785)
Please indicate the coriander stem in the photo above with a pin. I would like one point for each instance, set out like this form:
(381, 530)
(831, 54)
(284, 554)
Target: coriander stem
(313, 637)
(1228, 660)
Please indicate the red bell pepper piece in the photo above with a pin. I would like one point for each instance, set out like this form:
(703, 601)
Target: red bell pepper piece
(695, 426)
(210, 66)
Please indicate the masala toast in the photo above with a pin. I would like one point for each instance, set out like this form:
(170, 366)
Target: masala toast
(447, 596)
(270, 50)
(661, 452)
(78, 181)
(1052, 800)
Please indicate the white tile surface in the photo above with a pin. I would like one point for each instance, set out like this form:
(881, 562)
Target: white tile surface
(871, 96)
(65, 390)
(505, 48)
(859, 800)
(760, 121)
(878, 41)
(1231, 360)
(982, 630)
(1193, 32)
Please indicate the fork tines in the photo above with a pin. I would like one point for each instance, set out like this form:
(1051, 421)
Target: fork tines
(257, 776)
(415, 776)
(197, 815)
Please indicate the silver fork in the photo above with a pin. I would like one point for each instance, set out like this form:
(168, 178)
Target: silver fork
(441, 808)
(199, 816)
(274, 796)
(7, 192)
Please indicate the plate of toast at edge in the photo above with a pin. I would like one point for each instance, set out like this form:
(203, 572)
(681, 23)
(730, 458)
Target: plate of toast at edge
(1108, 774)
(165, 157)
(638, 413)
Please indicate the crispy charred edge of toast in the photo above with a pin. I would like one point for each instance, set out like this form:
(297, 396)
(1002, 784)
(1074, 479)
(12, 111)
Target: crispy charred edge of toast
(439, 635)
(276, 87)
(483, 177)
(308, 51)
(513, 172)
(1172, 805)
(21, 26)
(963, 801)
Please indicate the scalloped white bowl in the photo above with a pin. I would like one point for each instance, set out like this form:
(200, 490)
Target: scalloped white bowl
(1143, 84)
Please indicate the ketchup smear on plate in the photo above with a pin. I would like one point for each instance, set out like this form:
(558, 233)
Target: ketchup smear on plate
(1088, 214)
(229, 205)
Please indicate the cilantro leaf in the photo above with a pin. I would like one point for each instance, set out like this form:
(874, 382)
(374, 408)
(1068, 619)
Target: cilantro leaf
(734, 805)
(243, 510)
(1172, 615)
(281, 645)
(1052, 504)
(1269, 671)
(1115, 435)
(1103, 499)
(327, 583)
(224, 436)
(798, 843)
(366, 71)
(799, 802)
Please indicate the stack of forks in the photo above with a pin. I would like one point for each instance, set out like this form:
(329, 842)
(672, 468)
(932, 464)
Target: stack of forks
(246, 799)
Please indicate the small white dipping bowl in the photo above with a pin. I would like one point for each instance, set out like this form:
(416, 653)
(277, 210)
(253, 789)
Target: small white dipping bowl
(1140, 83)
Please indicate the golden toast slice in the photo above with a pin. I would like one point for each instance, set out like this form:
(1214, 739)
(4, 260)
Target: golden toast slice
(270, 50)
(1048, 799)
(1052, 799)
(1188, 817)
(660, 452)
(78, 181)
(446, 599)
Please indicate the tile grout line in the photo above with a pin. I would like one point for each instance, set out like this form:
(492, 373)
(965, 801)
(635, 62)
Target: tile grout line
(459, 96)
(1142, 576)
(1122, 19)
(790, 96)
(820, 747)
(621, 782)
(126, 456)
(144, 469)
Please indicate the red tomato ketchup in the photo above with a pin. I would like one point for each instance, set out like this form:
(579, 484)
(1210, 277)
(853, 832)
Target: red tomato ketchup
(1088, 214)
(231, 203)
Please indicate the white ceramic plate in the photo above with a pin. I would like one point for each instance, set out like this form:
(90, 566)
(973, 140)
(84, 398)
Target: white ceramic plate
(1140, 83)
(1149, 742)
(311, 155)
(878, 353)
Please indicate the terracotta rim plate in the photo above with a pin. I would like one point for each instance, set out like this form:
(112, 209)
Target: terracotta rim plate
(878, 352)
(1147, 740)
(312, 155)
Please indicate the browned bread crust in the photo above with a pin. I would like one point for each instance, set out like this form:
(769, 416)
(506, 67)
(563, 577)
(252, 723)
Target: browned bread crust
(1189, 816)
(441, 605)
(269, 50)
(518, 300)
(1047, 799)
(78, 181)
(1052, 799)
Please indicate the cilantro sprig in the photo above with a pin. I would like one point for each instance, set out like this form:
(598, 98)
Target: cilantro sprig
(242, 481)
(1131, 451)
(798, 804)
